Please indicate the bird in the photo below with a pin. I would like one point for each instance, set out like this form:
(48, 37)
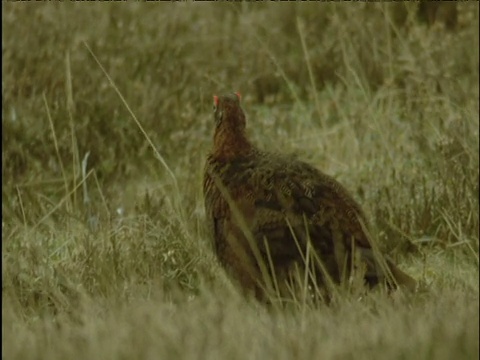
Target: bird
(272, 216)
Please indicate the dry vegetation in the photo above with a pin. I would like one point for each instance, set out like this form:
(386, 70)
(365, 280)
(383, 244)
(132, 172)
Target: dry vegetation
(105, 254)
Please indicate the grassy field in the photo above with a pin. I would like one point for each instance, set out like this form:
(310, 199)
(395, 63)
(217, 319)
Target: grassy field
(105, 252)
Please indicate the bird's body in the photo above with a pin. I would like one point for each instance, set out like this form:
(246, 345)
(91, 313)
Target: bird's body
(264, 208)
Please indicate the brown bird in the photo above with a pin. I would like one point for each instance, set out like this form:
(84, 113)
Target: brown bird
(273, 216)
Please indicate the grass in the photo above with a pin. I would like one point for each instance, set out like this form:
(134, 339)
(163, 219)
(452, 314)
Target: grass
(105, 253)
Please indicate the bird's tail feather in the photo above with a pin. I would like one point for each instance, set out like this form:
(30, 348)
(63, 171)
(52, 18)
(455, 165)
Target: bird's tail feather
(376, 273)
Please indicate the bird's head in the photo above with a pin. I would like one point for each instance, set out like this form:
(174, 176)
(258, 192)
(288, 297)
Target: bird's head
(228, 113)
(229, 140)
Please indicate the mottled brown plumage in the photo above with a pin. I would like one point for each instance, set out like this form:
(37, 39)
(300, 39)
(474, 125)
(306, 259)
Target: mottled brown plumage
(263, 209)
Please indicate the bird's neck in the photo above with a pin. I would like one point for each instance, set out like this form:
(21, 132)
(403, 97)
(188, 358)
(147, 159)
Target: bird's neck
(230, 143)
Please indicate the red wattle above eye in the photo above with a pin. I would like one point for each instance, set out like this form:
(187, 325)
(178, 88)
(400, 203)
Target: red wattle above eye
(215, 100)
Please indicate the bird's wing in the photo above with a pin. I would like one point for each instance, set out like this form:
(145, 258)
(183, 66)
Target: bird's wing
(278, 198)
(280, 205)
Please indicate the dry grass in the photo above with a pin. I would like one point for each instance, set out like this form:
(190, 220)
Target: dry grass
(105, 253)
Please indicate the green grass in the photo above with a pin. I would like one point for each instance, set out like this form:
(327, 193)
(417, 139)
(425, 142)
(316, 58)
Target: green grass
(116, 262)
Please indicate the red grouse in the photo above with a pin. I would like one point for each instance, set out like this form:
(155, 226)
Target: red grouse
(268, 212)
